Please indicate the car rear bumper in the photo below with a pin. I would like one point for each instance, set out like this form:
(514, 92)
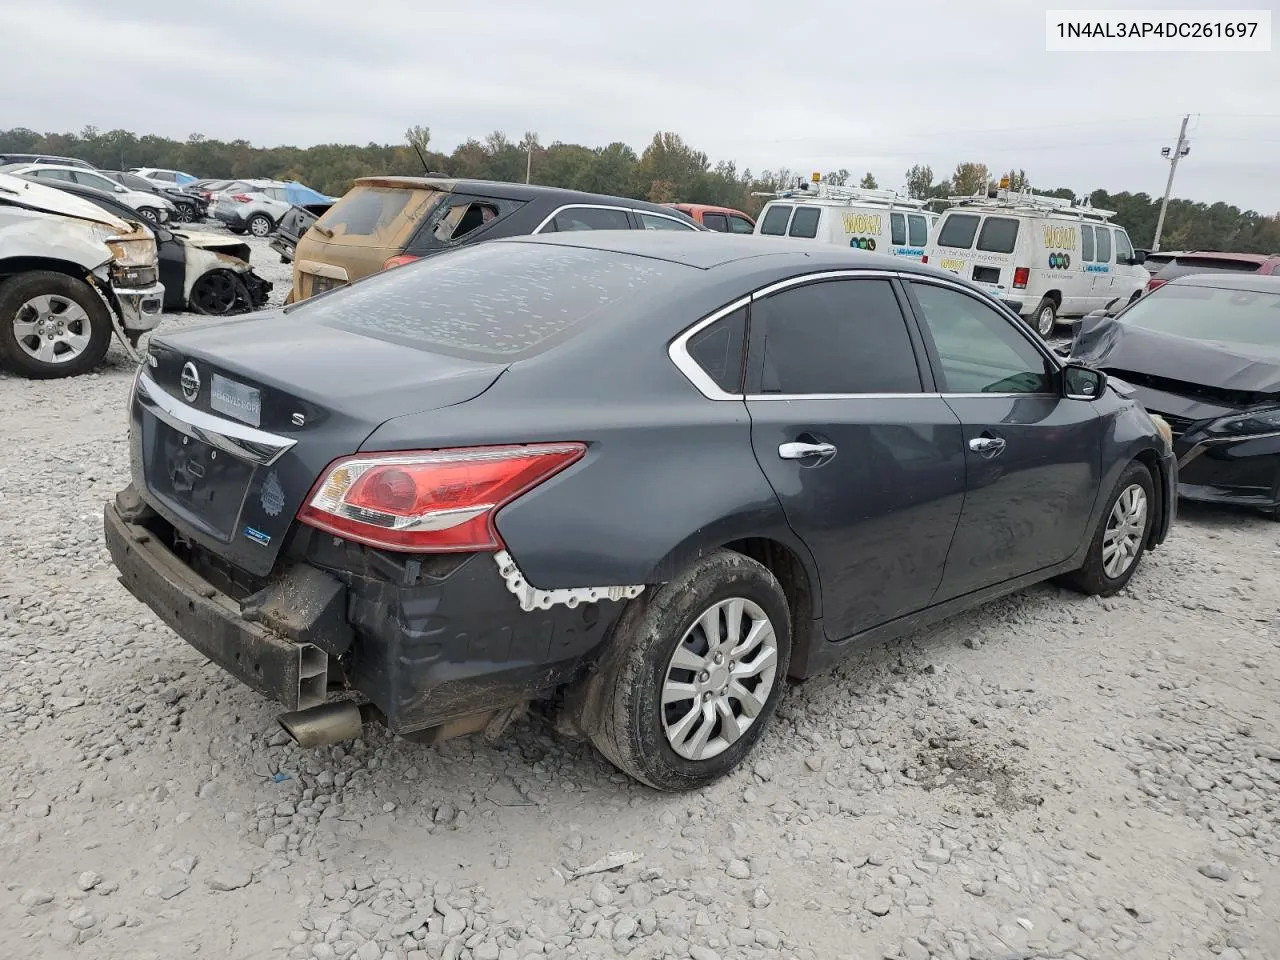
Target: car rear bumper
(448, 645)
(228, 215)
(140, 306)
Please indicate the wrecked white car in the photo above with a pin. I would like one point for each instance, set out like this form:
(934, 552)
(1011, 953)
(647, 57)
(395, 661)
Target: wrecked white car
(71, 273)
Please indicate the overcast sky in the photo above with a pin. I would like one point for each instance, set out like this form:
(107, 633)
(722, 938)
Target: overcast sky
(861, 84)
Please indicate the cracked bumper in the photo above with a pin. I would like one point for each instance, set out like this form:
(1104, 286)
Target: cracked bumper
(140, 306)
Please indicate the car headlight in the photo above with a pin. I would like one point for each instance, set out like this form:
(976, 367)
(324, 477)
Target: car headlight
(1262, 420)
(134, 250)
(1163, 428)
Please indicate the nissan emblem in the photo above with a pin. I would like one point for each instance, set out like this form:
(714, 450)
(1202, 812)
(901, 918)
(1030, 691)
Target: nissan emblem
(190, 381)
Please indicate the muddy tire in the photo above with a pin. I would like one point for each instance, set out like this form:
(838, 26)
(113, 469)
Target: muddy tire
(693, 674)
(52, 325)
(1121, 538)
(260, 225)
(1046, 317)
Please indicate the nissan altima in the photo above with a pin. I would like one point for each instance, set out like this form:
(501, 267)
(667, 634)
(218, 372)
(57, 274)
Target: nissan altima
(643, 477)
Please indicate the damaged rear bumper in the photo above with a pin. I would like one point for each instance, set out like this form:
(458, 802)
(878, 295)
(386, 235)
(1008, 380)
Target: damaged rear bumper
(467, 639)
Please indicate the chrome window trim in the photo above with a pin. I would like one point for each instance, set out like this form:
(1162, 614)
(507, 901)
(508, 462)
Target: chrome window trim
(578, 206)
(229, 436)
(679, 354)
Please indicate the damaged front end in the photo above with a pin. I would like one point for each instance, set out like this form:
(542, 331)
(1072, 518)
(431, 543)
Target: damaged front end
(217, 277)
(130, 283)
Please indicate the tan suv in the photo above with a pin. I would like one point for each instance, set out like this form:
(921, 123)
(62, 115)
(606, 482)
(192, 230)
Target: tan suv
(383, 222)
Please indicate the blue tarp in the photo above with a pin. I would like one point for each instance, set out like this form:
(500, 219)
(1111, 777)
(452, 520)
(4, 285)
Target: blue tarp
(184, 178)
(299, 195)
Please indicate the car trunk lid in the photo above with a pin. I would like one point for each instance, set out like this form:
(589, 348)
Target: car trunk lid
(233, 422)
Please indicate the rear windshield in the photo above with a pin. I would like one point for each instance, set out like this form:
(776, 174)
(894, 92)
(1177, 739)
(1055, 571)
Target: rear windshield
(775, 220)
(369, 212)
(1242, 319)
(1181, 266)
(497, 301)
(958, 231)
(999, 235)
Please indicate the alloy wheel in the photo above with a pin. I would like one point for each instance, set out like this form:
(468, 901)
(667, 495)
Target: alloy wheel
(719, 679)
(1126, 526)
(52, 328)
(1045, 322)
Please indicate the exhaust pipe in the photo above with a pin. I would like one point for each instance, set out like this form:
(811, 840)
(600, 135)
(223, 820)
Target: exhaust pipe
(326, 724)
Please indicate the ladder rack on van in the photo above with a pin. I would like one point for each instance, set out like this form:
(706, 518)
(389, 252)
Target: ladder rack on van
(1032, 203)
(849, 195)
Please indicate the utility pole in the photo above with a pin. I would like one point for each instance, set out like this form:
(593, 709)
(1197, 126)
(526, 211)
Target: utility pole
(528, 166)
(1180, 151)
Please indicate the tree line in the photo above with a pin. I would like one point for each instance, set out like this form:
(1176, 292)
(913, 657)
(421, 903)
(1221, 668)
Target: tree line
(667, 170)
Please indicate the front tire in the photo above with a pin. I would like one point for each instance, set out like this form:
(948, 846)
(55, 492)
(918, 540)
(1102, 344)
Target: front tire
(52, 325)
(260, 225)
(1046, 317)
(149, 214)
(693, 674)
(1121, 537)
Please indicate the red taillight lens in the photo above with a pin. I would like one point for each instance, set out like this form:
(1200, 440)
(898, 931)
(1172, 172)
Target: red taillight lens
(1153, 283)
(1020, 277)
(440, 501)
(241, 198)
(925, 258)
(398, 261)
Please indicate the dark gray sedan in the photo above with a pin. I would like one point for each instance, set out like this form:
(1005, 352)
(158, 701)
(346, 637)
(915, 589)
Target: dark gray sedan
(643, 476)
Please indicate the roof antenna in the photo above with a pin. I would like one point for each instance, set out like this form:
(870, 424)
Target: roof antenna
(422, 159)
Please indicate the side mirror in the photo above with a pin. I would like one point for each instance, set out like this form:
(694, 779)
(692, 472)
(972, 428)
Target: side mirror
(120, 188)
(1082, 383)
(1139, 257)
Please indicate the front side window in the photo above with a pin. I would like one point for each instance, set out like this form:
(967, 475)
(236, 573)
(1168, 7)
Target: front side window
(836, 337)
(958, 231)
(999, 235)
(775, 220)
(979, 351)
(591, 218)
(719, 349)
(1124, 249)
(651, 221)
(93, 180)
(741, 225)
(805, 223)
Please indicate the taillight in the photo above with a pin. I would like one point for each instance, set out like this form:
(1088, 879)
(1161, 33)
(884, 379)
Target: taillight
(398, 261)
(440, 501)
(925, 258)
(1020, 277)
(1153, 283)
(241, 198)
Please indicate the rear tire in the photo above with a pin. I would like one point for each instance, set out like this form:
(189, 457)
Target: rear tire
(260, 225)
(52, 325)
(1120, 531)
(1046, 317)
(678, 640)
(149, 214)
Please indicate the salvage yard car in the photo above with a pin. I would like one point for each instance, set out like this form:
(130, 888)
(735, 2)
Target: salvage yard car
(1204, 351)
(70, 274)
(384, 222)
(656, 472)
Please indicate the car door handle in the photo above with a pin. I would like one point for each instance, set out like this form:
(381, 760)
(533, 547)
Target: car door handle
(799, 451)
(987, 446)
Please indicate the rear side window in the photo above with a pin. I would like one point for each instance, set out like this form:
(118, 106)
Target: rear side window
(375, 211)
(804, 223)
(836, 336)
(716, 221)
(898, 226)
(591, 218)
(462, 217)
(1086, 243)
(1104, 244)
(491, 301)
(741, 225)
(719, 350)
(164, 175)
(958, 230)
(775, 220)
(999, 235)
(917, 230)
(653, 221)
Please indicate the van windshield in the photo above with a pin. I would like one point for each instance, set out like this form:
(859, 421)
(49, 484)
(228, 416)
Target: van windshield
(958, 230)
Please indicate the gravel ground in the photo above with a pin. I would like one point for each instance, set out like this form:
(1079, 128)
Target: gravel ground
(1048, 777)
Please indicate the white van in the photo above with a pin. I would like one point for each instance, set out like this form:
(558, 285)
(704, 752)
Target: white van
(881, 221)
(1046, 258)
